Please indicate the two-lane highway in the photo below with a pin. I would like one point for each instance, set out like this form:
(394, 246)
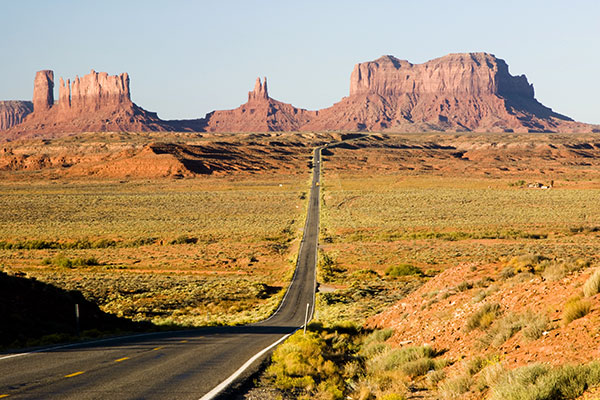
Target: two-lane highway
(189, 364)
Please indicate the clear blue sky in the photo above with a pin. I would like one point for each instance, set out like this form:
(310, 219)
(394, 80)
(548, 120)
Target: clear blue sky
(186, 58)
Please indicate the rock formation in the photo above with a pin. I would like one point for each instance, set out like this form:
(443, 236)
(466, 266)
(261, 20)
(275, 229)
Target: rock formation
(260, 114)
(458, 92)
(43, 90)
(13, 112)
(92, 103)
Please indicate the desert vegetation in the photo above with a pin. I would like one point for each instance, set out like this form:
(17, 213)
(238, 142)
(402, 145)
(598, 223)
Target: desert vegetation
(491, 281)
(176, 253)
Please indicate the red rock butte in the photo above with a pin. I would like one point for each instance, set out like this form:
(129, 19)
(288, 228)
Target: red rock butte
(457, 92)
(94, 102)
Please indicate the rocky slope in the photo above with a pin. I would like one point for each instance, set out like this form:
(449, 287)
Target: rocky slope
(13, 112)
(94, 102)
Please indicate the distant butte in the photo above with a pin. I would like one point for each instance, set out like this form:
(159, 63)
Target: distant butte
(455, 93)
(96, 102)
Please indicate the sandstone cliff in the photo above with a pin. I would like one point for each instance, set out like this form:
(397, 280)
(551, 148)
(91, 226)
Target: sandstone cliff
(260, 114)
(94, 102)
(13, 112)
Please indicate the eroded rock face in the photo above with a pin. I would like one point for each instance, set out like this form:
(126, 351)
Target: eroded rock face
(13, 112)
(455, 74)
(43, 90)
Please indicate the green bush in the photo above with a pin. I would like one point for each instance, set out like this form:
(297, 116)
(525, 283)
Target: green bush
(403, 270)
(313, 363)
(591, 287)
(575, 308)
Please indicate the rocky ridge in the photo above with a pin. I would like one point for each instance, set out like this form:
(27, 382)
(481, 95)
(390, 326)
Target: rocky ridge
(454, 93)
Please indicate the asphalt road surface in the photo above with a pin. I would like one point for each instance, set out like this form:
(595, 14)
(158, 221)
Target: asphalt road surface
(170, 365)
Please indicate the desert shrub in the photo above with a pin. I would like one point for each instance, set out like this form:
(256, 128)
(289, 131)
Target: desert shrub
(575, 308)
(297, 362)
(418, 367)
(475, 365)
(411, 361)
(454, 387)
(503, 330)
(483, 293)
(490, 375)
(313, 364)
(528, 263)
(184, 239)
(60, 260)
(403, 270)
(542, 382)
(435, 377)
(364, 275)
(483, 317)
(507, 272)
(532, 324)
(85, 261)
(145, 241)
(328, 269)
(375, 343)
(484, 282)
(591, 287)
(464, 286)
(558, 269)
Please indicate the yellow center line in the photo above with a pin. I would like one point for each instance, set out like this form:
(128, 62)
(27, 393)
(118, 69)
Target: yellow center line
(183, 341)
(122, 359)
(157, 348)
(74, 374)
(4, 395)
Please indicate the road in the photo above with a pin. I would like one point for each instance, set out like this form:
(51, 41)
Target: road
(170, 365)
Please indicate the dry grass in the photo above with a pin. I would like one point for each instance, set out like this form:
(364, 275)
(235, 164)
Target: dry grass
(185, 252)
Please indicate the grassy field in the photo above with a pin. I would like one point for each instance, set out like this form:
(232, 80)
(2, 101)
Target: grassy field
(188, 252)
(375, 222)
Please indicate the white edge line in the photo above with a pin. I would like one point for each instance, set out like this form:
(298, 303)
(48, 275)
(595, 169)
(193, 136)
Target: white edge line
(223, 385)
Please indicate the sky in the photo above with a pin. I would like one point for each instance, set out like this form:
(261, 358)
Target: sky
(187, 58)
